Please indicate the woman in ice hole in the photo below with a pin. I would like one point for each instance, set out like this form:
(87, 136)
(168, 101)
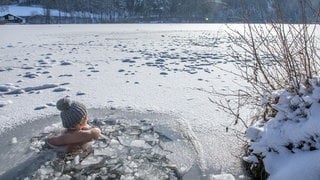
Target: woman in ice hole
(74, 118)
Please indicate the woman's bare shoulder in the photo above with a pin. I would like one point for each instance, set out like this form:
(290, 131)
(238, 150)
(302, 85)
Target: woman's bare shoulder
(83, 136)
(93, 133)
(75, 137)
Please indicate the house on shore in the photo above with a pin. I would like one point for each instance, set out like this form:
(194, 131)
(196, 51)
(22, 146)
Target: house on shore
(9, 18)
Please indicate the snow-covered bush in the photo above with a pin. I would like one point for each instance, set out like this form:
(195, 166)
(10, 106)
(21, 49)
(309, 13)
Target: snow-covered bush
(290, 127)
(280, 64)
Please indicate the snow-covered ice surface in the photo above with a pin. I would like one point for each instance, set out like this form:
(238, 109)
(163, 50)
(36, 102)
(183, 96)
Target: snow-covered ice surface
(162, 68)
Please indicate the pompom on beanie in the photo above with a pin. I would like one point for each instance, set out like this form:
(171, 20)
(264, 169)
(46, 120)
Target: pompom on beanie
(72, 112)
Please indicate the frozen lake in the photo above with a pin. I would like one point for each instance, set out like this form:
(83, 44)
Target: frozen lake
(161, 68)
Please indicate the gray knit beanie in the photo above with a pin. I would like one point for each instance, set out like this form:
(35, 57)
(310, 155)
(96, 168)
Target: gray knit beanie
(72, 112)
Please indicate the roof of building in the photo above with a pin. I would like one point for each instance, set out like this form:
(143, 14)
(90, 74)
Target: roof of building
(23, 11)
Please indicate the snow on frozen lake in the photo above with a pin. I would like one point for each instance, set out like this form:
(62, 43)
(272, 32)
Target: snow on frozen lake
(163, 68)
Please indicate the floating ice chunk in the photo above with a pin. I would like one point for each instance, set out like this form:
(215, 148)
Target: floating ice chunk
(36, 145)
(133, 130)
(53, 127)
(44, 171)
(57, 174)
(125, 140)
(14, 140)
(222, 177)
(150, 138)
(91, 160)
(109, 129)
(76, 160)
(140, 144)
(105, 152)
(104, 170)
(65, 177)
(114, 142)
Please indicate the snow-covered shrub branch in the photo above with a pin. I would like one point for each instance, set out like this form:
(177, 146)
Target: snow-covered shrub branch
(280, 63)
(274, 56)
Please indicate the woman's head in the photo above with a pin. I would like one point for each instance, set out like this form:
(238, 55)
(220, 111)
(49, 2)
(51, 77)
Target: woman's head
(72, 112)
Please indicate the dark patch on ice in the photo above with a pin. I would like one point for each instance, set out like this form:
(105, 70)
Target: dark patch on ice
(128, 61)
(16, 91)
(9, 90)
(30, 75)
(42, 87)
(65, 63)
(65, 75)
(40, 107)
(51, 104)
(80, 93)
(42, 62)
(27, 67)
(9, 68)
(60, 89)
(63, 84)
(95, 71)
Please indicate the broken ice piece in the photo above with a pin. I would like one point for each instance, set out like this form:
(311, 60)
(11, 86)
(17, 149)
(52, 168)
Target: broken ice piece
(104, 152)
(76, 159)
(222, 176)
(91, 160)
(125, 140)
(114, 142)
(14, 140)
(140, 144)
(151, 139)
(133, 130)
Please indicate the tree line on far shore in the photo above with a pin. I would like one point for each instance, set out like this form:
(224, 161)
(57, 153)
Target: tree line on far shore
(216, 11)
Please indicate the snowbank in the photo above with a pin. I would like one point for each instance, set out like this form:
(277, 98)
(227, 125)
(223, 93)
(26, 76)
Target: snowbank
(289, 141)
